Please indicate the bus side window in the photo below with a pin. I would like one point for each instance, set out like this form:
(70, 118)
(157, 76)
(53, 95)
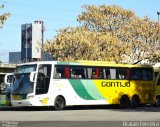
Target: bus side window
(128, 74)
(93, 75)
(67, 72)
(61, 72)
(156, 74)
(59, 75)
(113, 73)
(121, 73)
(134, 74)
(108, 74)
(158, 82)
(73, 74)
(78, 72)
(56, 74)
(99, 73)
(89, 72)
(149, 74)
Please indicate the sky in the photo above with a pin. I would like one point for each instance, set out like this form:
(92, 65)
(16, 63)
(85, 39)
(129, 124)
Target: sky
(57, 14)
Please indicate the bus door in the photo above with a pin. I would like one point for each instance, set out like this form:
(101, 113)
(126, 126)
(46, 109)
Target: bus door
(158, 84)
(43, 79)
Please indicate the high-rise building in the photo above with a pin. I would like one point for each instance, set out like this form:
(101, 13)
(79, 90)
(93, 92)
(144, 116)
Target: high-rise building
(31, 41)
(31, 44)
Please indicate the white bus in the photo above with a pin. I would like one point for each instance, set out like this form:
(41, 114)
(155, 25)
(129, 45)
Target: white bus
(6, 89)
(7, 81)
(61, 84)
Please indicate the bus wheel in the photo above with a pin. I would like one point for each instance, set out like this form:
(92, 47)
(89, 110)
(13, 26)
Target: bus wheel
(124, 102)
(157, 103)
(59, 103)
(135, 101)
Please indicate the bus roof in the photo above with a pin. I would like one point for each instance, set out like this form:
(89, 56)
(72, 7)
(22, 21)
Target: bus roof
(88, 63)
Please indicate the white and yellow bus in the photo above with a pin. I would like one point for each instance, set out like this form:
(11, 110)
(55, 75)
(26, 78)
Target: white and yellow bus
(157, 84)
(62, 84)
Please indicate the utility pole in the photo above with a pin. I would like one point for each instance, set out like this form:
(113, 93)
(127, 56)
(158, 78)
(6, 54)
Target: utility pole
(42, 23)
(158, 13)
(26, 42)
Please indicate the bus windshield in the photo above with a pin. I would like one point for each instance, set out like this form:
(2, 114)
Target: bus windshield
(26, 68)
(22, 84)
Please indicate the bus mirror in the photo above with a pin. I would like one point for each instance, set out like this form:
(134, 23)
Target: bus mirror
(32, 77)
(8, 79)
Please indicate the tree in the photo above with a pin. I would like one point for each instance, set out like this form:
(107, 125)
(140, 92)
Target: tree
(140, 33)
(145, 41)
(108, 33)
(3, 17)
(79, 43)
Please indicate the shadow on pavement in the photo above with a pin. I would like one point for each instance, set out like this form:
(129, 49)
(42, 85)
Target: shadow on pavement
(106, 107)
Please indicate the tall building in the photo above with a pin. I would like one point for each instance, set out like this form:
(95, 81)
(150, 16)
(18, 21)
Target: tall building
(31, 44)
(31, 41)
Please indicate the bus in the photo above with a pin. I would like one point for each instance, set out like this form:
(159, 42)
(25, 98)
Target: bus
(6, 82)
(6, 90)
(61, 84)
(157, 84)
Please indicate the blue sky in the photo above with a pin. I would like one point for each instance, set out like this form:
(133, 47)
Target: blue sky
(57, 14)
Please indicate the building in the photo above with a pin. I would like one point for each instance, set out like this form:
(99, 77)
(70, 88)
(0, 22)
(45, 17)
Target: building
(14, 57)
(31, 44)
(31, 40)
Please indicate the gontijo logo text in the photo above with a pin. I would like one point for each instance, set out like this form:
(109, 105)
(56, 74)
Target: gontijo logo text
(115, 84)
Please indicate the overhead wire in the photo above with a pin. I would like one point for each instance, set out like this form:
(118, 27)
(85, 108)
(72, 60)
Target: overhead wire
(48, 19)
(41, 7)
(46, 29)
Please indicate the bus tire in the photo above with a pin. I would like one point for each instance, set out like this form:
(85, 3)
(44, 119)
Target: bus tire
(157, 102)
(124, 102)
(135, 101)
(59, 103)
